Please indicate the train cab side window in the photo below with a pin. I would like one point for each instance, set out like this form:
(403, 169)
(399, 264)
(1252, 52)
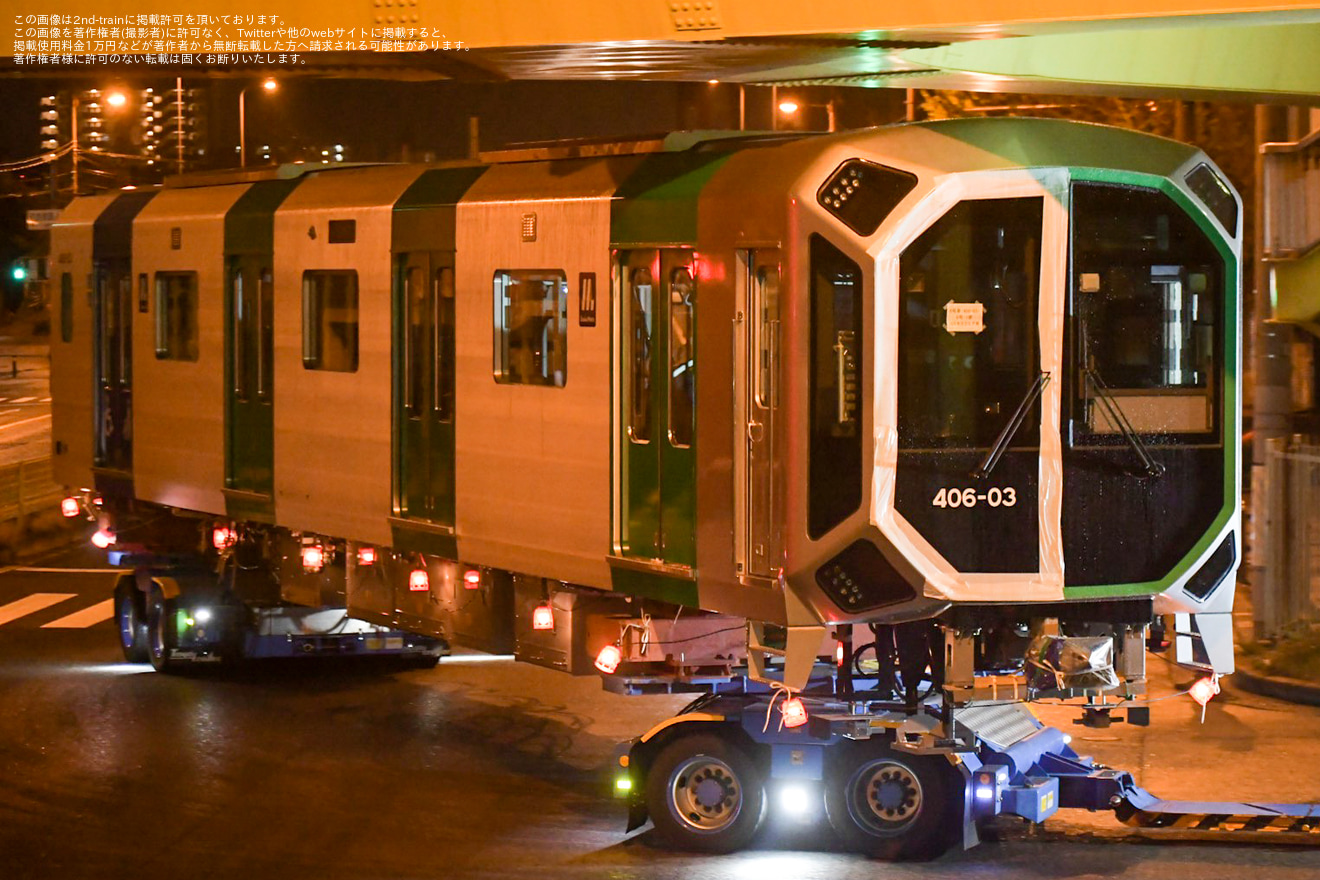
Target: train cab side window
(682, 361)
(66, 307)
(531, 327)
(1147, 305)
(330, 321)
(766, 328)
(176, 316)
(834, 472)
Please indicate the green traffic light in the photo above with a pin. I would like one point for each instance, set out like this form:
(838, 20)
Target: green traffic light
(19, 273)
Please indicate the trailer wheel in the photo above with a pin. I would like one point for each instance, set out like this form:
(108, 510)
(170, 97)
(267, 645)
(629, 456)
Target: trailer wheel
(892, 805)
(160, 647)
(131, 618)
(705, 794)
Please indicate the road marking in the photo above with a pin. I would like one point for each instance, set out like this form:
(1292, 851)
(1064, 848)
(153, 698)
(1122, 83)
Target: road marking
(23, 422)
(30, 604)
(22, 400)
(85, 618)
(29, 568)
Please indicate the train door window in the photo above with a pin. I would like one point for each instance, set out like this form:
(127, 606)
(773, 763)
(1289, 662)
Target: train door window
(444, 344)
(682, 363)
(125, 307)
(415, 355)
(330, 321)
(531, 327)
(837, 352)
(66, 307)
(266, 323)
(242, 319)
(765, 327)
(637, 392)
(176, 316)
(1147, 300)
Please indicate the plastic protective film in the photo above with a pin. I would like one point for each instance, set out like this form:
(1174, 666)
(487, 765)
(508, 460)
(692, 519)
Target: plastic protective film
(942, 580)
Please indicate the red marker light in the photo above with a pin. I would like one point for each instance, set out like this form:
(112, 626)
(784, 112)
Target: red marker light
(795, 714)
(313, 557)
(838, 655)
(222, 537)
(98, 501)
(69, 507)
(1204, 691)
(419, 581)
(366, 556)
(608, 659)
(543, 617)
(471, 579)
(103, 538)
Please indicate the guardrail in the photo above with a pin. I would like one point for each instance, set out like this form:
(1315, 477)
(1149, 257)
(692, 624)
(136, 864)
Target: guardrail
(28, 487)
(1290, 595)
(1291, 177)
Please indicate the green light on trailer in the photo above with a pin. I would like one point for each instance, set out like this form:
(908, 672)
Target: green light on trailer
(623, 783)
(19, 272)
(190, 621)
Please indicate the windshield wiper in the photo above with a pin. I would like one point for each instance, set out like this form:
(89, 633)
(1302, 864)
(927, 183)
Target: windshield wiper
(1119, 418)
(1006, 435)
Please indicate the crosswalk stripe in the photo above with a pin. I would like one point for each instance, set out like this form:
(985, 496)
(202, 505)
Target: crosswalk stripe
(87, 617)
(30, 604)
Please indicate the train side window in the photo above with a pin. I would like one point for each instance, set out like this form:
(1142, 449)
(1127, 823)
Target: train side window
(444, 344)
(330, 321)
(266, 323)
(531, 327)
(176, 316)
(682, 362)
(834, 471)
(66, 307)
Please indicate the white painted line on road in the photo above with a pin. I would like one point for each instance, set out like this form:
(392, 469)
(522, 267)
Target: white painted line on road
(33, 569)
(22, 400)
(85, 618)
(23, 422)
(30, 604)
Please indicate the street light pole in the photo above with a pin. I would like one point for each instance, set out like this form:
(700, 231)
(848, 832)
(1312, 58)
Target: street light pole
(269, 85)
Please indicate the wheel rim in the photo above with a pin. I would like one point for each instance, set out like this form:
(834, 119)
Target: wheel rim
(158, 631)
(705, 794)
(128, 622)
(885, 797)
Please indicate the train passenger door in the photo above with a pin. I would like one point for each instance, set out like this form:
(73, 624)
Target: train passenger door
(425, 440)
(756, 388)
(249, 367)
(656, 406)
(113, 358)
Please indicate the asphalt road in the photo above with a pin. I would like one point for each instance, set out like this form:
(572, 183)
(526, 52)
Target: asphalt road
(24, 402)
(480, 768)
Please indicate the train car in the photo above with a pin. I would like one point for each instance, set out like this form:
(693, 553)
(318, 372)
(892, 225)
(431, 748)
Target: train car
(953, 392)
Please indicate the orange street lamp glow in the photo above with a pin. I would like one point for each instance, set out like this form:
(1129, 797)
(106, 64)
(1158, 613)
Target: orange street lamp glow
(788, 106)
(269, 85)
(115, 99)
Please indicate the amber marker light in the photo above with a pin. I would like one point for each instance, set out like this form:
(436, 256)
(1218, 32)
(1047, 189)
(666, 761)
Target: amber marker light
(608, 659)
(313, 557)
(795, 714)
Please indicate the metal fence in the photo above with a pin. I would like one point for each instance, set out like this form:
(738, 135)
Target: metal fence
(27, 487)
(1290, 597)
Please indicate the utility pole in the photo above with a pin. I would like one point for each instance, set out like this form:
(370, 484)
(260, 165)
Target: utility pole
(73, 117)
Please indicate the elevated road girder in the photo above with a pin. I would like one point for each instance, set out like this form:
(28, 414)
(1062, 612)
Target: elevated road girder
(1253, 49)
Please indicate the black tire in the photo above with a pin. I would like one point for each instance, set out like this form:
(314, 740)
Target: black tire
(892, 805)
(160, 638)
(425, 661)
(131, 620)
(706, 795)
